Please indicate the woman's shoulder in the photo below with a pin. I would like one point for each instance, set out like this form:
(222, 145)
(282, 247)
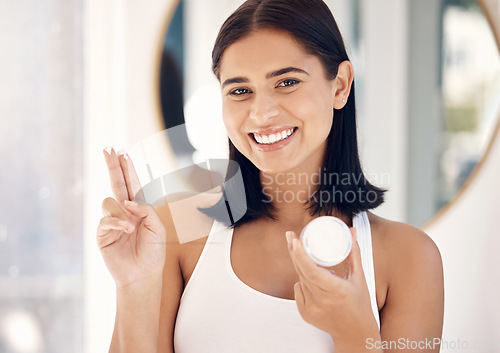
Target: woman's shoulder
(401, 240)
(184, 222)
(187, 228)
(402, 254)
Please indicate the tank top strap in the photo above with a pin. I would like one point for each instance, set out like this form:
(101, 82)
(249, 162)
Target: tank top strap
(362, 224)
(219, 235)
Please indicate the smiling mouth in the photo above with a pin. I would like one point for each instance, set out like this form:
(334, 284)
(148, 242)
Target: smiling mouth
(275, 138)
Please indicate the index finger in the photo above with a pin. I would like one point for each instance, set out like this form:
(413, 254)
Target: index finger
(132, 182)
(116, 178)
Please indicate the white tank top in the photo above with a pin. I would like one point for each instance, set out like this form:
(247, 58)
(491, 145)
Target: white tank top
(218, 313)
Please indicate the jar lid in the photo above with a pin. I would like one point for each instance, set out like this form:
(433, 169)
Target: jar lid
(327, 240)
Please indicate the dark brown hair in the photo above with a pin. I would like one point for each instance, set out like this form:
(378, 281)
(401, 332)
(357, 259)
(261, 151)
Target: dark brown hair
(313, 26)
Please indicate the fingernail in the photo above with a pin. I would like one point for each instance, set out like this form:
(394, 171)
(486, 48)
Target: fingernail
(130, 203)
(126, 156)
(295, 241)
(288, 237)
(107, 149)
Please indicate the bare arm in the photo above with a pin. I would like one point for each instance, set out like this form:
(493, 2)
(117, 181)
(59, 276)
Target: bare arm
(132, 241)
(173, 285)
(137, 317)
(146, 313)
(412, 317)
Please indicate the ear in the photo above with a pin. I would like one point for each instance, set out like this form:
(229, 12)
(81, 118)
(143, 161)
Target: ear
(343, 83)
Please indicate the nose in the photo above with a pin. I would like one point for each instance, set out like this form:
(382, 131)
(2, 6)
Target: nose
(264, 107)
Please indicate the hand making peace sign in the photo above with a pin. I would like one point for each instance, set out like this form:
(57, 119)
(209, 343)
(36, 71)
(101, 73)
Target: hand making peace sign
(130, 236)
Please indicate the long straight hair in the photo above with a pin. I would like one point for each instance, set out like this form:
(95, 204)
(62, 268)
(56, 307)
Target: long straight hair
(313, 25)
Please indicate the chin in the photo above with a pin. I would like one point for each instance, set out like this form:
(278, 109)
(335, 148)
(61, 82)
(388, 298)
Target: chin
(276, 168)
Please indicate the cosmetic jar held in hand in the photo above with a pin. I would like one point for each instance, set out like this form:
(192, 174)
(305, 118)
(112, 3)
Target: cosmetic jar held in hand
(327, 240)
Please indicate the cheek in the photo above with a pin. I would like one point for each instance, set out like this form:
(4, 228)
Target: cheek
(317, 118)
(314, 111)
(233, 120)
(325, 111)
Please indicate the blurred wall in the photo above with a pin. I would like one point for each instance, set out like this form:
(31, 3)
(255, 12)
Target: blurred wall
(41, 176)
(468, 237)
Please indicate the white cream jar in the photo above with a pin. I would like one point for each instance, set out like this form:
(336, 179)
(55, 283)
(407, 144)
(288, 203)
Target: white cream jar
(327, 240)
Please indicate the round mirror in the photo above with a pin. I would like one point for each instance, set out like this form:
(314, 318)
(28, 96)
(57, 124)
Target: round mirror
(451, 84)
(470, 98)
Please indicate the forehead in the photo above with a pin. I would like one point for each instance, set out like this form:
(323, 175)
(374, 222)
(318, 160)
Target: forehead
(263, 51)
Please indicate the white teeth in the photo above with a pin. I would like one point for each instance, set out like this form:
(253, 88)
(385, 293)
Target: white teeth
(272, 138)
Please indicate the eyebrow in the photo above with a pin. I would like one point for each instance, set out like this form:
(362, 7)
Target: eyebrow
(268, 76)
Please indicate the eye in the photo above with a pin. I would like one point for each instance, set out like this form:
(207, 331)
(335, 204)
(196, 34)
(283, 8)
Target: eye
(239, 91)
(288, 83)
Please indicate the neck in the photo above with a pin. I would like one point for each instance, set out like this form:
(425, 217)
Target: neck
(289, 192)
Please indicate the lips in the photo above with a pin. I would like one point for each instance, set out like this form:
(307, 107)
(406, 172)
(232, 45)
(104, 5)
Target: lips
(272, 137)
(268, 147)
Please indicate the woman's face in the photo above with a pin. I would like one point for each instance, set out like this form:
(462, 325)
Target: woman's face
(270, 88)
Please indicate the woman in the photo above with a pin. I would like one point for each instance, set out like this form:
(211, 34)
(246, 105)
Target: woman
(289, 110)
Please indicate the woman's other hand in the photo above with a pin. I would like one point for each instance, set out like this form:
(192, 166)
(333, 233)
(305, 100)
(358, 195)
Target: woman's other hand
(130, 236)
(338, 305)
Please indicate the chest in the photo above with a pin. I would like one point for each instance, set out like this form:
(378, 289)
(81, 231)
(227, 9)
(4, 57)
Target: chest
(262, 264)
